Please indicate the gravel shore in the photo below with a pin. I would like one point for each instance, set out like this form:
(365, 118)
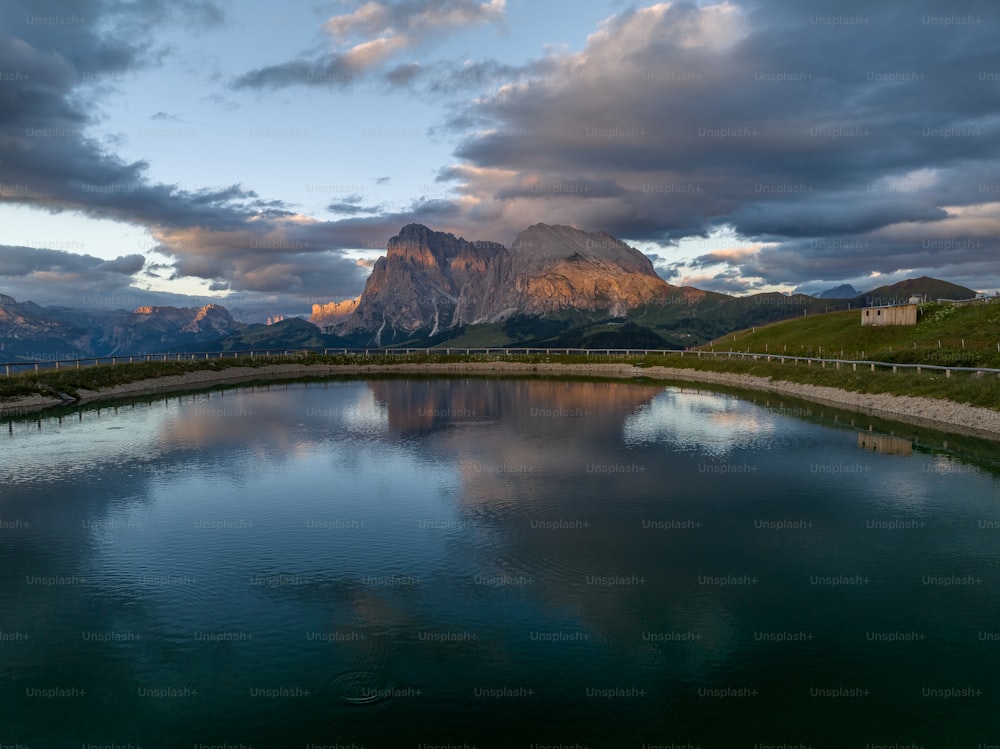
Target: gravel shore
(925, 411)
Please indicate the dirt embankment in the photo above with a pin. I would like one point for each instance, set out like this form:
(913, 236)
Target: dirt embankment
(929, 411)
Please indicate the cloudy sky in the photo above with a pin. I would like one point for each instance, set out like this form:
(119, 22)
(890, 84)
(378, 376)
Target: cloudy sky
(260, 154)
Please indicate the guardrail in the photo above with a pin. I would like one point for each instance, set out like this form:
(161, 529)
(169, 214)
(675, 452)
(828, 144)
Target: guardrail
(853, 362)
(12, 368)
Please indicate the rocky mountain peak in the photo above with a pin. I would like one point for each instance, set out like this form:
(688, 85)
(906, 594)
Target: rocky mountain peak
(209, 317)
(556, 267)
(150, 328)
(430, 281)
(427, 280)
(7, 301)
(844, 291)
(413, 242)
(418, 244)
(212, 310)
(542, 244)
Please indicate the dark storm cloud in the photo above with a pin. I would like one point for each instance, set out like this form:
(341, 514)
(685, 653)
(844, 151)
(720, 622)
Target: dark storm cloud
(800, 261)
(25, 261)
(582, 188)
(48, 160)
(65, 278)
(727, 282)
(807, 121)
(57, 64)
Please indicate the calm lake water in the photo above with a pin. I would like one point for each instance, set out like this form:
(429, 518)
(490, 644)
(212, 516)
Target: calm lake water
(459, 563)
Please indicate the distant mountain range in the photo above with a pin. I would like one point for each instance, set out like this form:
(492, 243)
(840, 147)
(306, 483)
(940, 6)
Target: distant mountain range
(31, 332)
(844, 291)
(554, 286)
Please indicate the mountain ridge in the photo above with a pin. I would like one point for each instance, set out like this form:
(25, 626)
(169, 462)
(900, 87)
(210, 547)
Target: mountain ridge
(31, 331)
(433, 281)
(844, 291)
(932, 288)
(555, 286)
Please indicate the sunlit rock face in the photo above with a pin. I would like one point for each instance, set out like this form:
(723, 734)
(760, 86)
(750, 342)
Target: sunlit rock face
(430, 281)
(414, 407)
(327, 314)
(552, 268)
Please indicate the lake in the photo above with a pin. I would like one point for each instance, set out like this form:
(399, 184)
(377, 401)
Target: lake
(495, 563)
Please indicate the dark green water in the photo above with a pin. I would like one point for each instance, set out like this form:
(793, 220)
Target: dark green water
(492, 564)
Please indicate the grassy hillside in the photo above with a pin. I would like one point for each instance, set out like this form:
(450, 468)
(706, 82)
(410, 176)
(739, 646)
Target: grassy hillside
(293, 333)
(687, 317)
(944, 334)
(566, 329)
(679, 323)
(932, 288)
